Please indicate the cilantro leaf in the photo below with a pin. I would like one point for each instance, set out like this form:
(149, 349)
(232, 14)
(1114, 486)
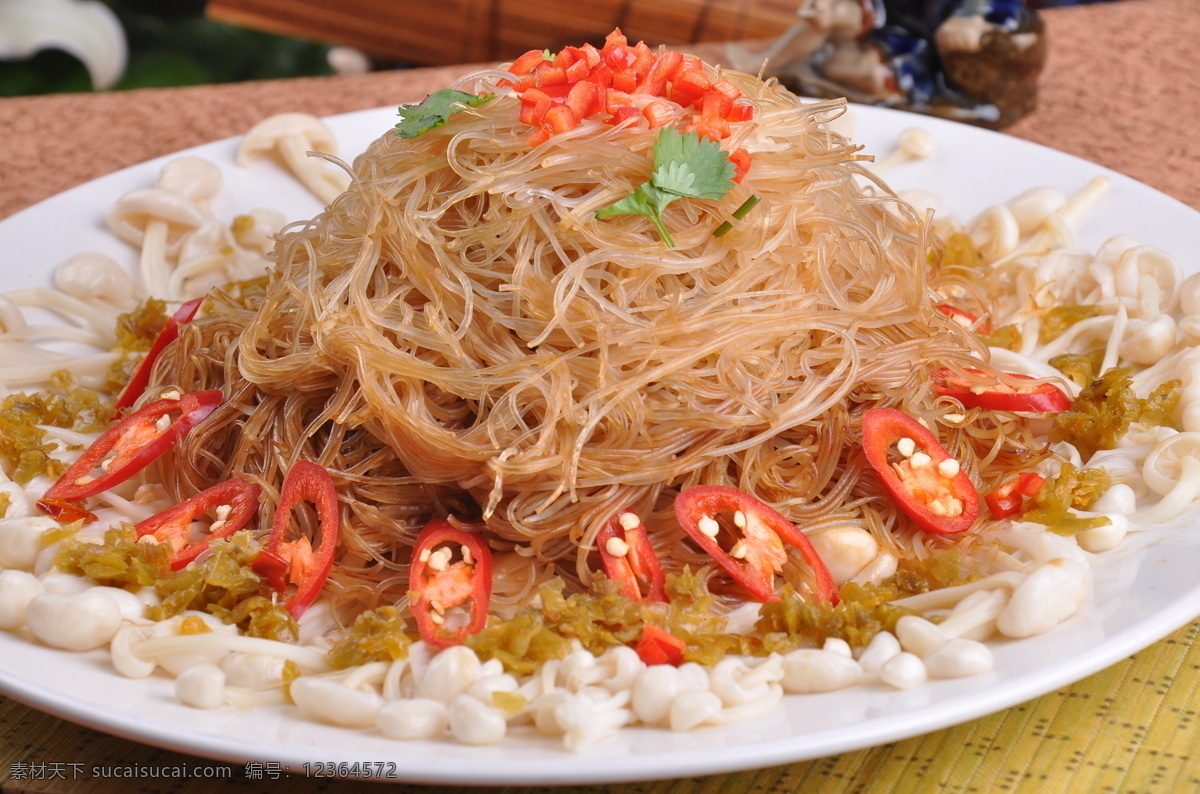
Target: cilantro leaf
(688, 165)
(685, 166)
(646, 200)
(434, 111)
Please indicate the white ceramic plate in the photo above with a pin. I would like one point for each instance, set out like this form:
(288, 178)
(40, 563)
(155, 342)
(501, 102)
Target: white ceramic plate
(1142, 592)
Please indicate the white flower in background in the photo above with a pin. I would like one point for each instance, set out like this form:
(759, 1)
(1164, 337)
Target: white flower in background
(86, 29)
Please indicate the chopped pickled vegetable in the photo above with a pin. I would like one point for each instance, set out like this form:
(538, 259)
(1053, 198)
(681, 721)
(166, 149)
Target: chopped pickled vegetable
(136, 331)
(193, 624)
(959, 250)
(793, 622)
(215, 584)
(942, 568)
(377, 635)
(520, 644)
(599, 619)
(509, 702)
(1076, 524)
(23, 447)
(1057, 321)
(1073, 488)
(1080, 368)
(1006, 336)
(118, 562)
(258, 616)
(241, 225)
(1105, 409)
(247, 293)
(693, 618)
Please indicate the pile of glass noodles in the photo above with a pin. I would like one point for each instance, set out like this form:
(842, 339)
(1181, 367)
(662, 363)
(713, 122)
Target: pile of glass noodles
(461, 334)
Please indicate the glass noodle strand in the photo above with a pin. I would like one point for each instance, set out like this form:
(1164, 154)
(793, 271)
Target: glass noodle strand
(460, 334)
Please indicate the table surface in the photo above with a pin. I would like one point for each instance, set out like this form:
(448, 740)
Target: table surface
(1119, 89)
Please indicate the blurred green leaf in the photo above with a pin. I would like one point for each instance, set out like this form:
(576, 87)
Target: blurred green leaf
(162, 69)
(170, 45)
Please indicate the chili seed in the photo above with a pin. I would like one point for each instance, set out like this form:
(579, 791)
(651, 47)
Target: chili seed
(616, 547)
(440, 559)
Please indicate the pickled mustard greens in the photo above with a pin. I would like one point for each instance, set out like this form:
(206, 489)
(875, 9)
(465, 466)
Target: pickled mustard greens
(864, 611)
(136, 331)
(120, 561)
(24, 449)
(1058, 320)
(1072, 489)
(223, 584)
(1107, 406)
(138, 328)
(258, 616)
(959, 251)
(1006, 336)
(1080, 368)
(377, 635)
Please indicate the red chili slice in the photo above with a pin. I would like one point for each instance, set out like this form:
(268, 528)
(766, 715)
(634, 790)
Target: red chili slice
(759, 552)
(631, 560)
(659, 646)
(141, 375)
(174, 524)
(136, 441)
(296, 561)
(936, 502)
(990, 394)
(964, 318)
(1007, 500)
(65, 512)
(437, 584)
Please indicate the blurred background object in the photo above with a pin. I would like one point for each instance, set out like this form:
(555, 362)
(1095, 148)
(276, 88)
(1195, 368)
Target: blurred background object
(87, 30)
(970, 60)
(56, 46)
(474, 31)
(168, 44)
